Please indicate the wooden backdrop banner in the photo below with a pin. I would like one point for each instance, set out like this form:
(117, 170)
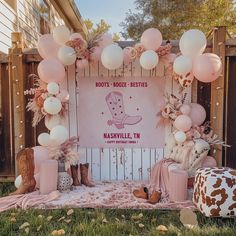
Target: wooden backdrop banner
(120, 112)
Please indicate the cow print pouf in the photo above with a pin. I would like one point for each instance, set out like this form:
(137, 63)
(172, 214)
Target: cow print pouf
(215, 191)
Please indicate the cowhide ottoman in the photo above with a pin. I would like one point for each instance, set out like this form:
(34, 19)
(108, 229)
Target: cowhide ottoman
(215, 191)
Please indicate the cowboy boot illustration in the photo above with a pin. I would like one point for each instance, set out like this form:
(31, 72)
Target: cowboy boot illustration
(116, 106)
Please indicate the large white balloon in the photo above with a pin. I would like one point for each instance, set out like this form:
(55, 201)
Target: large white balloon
(149, 59)
(52, 121)
(182, 65)
(66, 55)
(61, 34)
(18, 181)
(180, 136)
(53, 88)
(192, 43)
(52, 105)
(59, 134)
(43, 139)
(112, 57)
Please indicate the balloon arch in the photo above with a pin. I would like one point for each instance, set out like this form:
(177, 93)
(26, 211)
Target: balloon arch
(61, 48)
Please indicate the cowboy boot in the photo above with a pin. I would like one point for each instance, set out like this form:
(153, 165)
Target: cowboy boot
(141, 193)
(74, 175)
(84, 175)
(115, 104)
(154, 198)
(25, 162)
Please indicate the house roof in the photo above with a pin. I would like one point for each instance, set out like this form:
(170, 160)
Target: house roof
(69, 12)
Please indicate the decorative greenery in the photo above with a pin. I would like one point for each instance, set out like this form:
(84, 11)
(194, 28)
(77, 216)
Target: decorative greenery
(173, 17)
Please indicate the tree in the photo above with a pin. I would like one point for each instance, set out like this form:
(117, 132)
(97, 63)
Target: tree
(101, 27)
(173, 17)
(116, 37)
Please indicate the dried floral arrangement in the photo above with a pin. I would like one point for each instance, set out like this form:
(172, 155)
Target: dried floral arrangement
(172, 110)
(65, 152)
(35, 104)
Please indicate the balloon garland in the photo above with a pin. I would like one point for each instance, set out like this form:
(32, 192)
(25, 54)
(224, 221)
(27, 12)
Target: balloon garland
(61, 48)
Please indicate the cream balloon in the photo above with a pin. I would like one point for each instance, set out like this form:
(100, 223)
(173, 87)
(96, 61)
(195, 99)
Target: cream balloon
(52, 121)
(66, 55)
(61, 34)
(53, 88)
(43, 139)
(180, 136)
(18, 181)
(149, 59)
(112, 57)
(182, 65)
(59, 134)
(192, 43)
(52, 105)
(151, 39)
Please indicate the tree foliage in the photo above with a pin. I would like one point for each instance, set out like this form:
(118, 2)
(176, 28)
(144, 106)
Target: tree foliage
(100, 28)
(173, 17)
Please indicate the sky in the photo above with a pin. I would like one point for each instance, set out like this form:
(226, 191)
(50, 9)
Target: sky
(112, 11)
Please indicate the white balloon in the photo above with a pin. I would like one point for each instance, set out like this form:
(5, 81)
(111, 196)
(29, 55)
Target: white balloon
(61, 34)
(149, 59)
(52, 105)
(59, 134)
(180, 136)
(112, 57)
(43, 139)
(53, 88)
(182, 65)
(66, 55)
(193, 43)
(18, 181)
(52, 121)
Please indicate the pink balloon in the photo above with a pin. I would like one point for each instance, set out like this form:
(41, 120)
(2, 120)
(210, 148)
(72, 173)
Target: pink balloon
(47, 47)
(81, 64)
(151, 39)
(40, 154)
(37, 177)
(207, 67)
(127, 55)
(183, 123)
(51, 70)
(96, 54)
(76, 36)
(105, 40)
(185, 109)
(197, 114)
(63, 95)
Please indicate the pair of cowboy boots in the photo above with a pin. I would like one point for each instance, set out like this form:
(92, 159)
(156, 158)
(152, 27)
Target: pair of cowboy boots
(25, 163)
(84, 169)
(143, 193)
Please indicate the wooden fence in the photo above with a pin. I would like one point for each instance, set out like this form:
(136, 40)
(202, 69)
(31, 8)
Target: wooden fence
(219, 99)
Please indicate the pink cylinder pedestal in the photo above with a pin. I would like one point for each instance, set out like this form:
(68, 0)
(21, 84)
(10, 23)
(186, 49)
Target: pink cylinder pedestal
(177, 186)
(48, 176)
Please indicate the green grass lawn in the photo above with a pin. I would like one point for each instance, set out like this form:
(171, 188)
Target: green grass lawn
(105, 222)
